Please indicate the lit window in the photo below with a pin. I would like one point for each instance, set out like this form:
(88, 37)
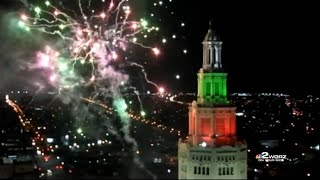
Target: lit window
(216, 88)
(208, 88)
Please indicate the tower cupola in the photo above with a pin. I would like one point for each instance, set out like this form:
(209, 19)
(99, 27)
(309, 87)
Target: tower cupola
(211, 51)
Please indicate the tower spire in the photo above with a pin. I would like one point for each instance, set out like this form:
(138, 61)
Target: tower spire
(211, 51)
(210, 25)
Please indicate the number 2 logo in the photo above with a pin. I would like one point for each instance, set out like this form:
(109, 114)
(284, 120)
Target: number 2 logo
(265, 155)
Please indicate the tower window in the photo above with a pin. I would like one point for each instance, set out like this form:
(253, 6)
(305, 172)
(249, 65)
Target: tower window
(224, 171)
(218, 158)
(226, 158)
(194, 170)
(231, 171)
(208, 88)
(199, 170)
(227, 170)
(207, 171)
(220, 171)
(203, 170)
(209, 158)
(216, 88)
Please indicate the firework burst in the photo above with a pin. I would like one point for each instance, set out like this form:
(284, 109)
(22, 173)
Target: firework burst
(81, 62)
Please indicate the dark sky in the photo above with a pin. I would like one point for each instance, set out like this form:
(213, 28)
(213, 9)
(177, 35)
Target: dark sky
(266, 47)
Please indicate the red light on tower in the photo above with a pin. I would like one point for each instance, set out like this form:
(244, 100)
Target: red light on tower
(205, 127)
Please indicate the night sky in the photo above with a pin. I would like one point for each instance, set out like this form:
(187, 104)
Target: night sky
(266, 47)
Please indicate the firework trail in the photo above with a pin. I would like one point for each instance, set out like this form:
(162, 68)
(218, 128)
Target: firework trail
(144, 73)
(81, 61)
(25, 2)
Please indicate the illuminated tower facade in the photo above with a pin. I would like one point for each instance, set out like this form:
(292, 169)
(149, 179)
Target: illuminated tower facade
(211, 150)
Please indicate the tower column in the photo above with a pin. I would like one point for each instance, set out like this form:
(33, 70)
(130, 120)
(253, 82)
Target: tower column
(217, 47)
(204, 58)
(211, 54)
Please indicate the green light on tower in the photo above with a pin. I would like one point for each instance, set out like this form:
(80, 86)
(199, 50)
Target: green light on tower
(143, 113)
(47, 3)
(212, 87)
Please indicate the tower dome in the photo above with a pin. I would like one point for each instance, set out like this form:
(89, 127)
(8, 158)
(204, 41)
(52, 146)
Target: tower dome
(211, 34)
(211, 51)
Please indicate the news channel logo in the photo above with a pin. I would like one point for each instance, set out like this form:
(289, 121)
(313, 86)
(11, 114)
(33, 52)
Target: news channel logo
(267, 157)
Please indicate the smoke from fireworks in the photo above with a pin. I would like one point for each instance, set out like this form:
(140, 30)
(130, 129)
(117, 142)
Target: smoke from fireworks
(81, 62)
